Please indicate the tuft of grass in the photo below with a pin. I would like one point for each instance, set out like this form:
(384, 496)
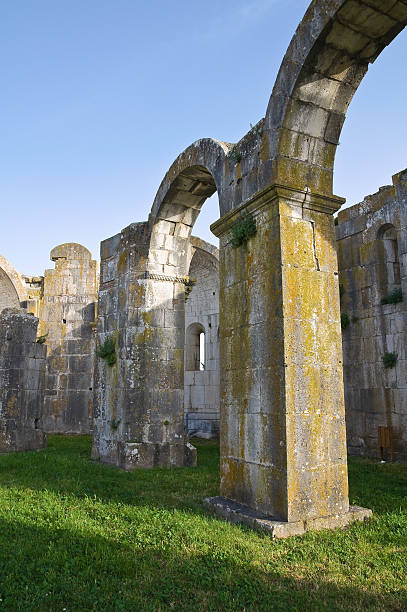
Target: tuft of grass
(41, 339)
(394, 297)
(345, 321)
(235, 155)
(389, 360)
(107, 351)
(243, 230)
(84, 536)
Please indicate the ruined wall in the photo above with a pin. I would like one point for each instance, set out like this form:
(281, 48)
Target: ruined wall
(372, 257)
(139, 416)
(22, 369)
(66, 311)
(14, 289)
(201, 384)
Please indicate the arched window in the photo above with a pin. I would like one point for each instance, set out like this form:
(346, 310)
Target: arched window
(195, 347)
(389, 266)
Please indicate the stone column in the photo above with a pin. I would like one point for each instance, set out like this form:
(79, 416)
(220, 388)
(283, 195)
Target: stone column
(22, 371)
(283, 443)
(139, 412)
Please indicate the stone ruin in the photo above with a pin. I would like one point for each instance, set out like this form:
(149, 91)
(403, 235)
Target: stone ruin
(66, 309)
(282, 417)
(22, 370)
(372, 253)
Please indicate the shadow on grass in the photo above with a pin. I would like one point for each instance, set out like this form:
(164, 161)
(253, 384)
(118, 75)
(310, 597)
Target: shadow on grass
(45, 569)
(66, 467)
(70, 548)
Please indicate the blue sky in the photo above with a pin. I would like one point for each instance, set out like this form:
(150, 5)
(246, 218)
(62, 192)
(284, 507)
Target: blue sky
(99, 97)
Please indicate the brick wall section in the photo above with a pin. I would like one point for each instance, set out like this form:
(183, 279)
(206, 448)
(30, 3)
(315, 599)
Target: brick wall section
(22, 368)
(375, 397)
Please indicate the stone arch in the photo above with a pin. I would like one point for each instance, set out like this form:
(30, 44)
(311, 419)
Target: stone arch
(325, 63)
(195, 175)
(12, 291)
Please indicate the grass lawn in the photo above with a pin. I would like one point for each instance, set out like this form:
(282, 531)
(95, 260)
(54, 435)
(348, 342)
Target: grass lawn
(76, 535)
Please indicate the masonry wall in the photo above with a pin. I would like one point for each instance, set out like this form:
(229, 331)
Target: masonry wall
(67, 311)
(372, 254)
(201, 395)
(22, 370)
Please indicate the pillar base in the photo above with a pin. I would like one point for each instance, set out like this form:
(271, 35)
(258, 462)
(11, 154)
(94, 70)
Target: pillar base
(237, 513)
(147, 455)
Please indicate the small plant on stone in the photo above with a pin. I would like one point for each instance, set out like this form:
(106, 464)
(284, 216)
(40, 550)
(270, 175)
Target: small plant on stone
(394, 297)
(256, 129)
(189, 285)
(344, 320)
(107, 351)
(242, 230)
(336, 221)
(389, 360)
(42, 339)
(235, 155)
(115, 424)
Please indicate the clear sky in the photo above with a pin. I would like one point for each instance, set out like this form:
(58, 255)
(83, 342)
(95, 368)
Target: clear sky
(100, 96)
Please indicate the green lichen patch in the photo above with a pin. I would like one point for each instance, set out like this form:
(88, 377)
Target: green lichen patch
(107, 351)
(242, 230)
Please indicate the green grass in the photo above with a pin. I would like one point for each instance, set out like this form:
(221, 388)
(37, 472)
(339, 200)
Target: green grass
(76, 535)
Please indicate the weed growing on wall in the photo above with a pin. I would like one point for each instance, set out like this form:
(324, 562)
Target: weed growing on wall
(235, 155)
(42, 339)
(107, 351)
(189, 285)
(345, 320)
(394, 297)
(115, 424)
(242, 230)
(389, 360)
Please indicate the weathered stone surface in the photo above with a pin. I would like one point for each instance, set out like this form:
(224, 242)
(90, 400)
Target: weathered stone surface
(201, 383)
(139, 416)
(238, 513)
(22, 369)
(372, 250)
(66, 308)
(282, 407)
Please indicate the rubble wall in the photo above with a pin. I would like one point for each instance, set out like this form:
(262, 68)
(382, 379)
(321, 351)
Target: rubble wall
(372, 257)
(22, 370)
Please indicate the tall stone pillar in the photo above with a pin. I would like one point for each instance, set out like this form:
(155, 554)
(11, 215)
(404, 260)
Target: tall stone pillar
(283, 443)
(139, 411)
